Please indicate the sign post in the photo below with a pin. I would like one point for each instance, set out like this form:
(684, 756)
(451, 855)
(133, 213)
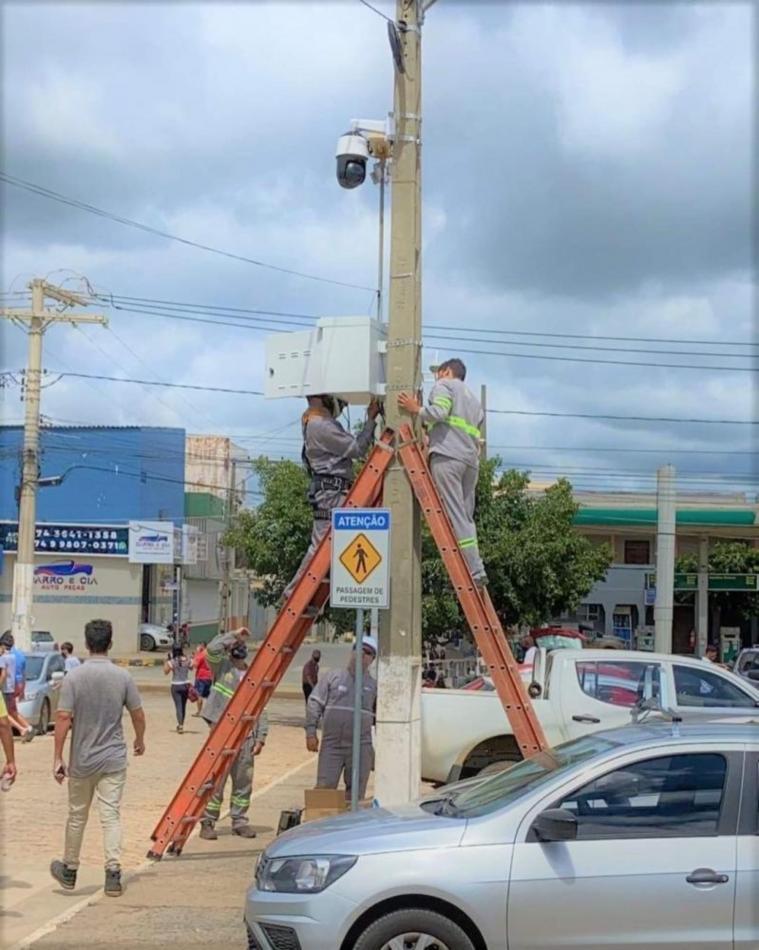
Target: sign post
(359, 578)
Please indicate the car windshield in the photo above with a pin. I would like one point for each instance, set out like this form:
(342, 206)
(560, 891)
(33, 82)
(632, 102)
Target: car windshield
(42, 636)
(33, 668)
(507, 786)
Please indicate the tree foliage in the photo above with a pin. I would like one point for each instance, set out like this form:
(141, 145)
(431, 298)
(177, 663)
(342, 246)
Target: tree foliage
(538, 565)
(728, 557)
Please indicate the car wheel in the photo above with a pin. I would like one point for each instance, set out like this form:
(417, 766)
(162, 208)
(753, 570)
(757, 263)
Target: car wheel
(147, 643)
(413, 930)
(44, 722)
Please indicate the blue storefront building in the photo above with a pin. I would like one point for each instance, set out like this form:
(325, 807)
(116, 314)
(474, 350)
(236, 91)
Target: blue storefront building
(110, 476)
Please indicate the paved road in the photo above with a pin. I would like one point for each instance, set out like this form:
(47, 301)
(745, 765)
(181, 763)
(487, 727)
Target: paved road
(334, 656)
(34, 812)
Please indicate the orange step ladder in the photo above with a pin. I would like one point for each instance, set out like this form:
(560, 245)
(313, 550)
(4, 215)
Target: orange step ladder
(475, 602)
(267, 668)
(273, 657)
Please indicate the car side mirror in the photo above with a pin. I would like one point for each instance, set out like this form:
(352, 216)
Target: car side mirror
(555, 824)
(57, 677)
(753, 675)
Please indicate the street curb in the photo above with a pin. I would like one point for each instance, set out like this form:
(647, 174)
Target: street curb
(138, 661)
(287, 692)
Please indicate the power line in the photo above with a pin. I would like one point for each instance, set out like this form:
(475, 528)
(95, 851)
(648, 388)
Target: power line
(592, 336)
(43, 192)
(375, 10)
(518, 412)
(177, 315)
(608, 417)
(186, 305)
(155, 382)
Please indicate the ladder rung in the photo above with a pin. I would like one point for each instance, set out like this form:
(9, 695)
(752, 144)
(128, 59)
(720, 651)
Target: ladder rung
(248, 718)
(286, 650)
(227, 752)
(205, 787)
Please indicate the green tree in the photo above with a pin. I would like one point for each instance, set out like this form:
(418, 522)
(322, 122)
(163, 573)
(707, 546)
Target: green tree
(727, 557)
(272, 538)
(538, 565)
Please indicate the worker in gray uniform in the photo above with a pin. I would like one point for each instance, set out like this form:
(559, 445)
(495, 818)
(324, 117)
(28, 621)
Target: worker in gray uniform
(454, 417)
(331, 704)
(227, 655)
(328, 454)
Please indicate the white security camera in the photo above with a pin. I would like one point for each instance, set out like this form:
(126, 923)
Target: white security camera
(352, 155)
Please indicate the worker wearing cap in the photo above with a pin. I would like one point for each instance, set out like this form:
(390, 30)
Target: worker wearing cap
(331, 704)
(454, 418)
(227, 655)
(328, 454)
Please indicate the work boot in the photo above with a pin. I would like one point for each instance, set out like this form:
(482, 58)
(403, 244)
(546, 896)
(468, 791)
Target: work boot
(65, 875)
(207, 831)
(113, 887)
(244, 829)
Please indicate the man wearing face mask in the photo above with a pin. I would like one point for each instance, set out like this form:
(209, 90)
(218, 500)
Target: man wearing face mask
(331, 704)
(328, 454)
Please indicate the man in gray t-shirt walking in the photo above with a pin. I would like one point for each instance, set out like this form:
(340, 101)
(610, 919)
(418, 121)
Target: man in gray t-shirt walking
(92, 701)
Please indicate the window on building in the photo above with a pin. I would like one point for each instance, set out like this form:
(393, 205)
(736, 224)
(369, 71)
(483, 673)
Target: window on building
(637, 552)
(673, 796)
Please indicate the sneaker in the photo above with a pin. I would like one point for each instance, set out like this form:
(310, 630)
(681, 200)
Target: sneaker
(481, 581)
(207, 831)
(180, 729)
(63, 874)
(28, 735)
(113, 886)
(244, 829)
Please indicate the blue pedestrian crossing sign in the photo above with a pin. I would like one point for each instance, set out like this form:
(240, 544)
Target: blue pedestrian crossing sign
(360, 571)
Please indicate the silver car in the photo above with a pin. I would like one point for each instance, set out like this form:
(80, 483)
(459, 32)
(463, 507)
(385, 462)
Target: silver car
(747, 665)
(44, 674)
(643, 837)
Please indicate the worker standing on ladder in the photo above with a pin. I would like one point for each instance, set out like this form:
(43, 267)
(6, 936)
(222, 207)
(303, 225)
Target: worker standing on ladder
(331, 704)
(227, 655)
(454, 418)
(328, 454)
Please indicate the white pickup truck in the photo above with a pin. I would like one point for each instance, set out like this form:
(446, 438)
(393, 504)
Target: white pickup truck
(574, 692)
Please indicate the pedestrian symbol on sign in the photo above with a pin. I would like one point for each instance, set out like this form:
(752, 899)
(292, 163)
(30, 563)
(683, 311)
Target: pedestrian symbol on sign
(360, 558)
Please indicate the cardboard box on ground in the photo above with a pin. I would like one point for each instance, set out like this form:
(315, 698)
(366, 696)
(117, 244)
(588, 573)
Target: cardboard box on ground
(326, 803)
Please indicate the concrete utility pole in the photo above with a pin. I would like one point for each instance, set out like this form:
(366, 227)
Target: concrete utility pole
(35, 320)
(484, 426)
(225, 586)
(398, 763)
(665, 558)
(702, 598)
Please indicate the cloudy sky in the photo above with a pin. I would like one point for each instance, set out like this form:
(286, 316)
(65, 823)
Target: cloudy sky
(587, 172)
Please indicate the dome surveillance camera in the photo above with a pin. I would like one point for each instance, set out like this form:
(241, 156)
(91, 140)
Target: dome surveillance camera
(352, 155)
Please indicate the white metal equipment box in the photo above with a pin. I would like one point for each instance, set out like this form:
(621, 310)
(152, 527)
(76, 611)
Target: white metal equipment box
(344, 356)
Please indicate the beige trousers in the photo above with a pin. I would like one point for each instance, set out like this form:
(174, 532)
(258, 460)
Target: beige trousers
(108, 789)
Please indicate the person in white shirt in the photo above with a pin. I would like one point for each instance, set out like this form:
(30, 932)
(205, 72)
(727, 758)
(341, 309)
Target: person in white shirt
(71, 661)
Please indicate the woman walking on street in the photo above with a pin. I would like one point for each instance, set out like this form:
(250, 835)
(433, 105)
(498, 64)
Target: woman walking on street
(203, 676)
(179, 667)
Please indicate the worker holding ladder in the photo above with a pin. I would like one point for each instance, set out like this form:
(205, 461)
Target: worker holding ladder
(454, 418)
(227, 655)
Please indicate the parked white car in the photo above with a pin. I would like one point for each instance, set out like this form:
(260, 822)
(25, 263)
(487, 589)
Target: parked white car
(154, 637)
(574, 693)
